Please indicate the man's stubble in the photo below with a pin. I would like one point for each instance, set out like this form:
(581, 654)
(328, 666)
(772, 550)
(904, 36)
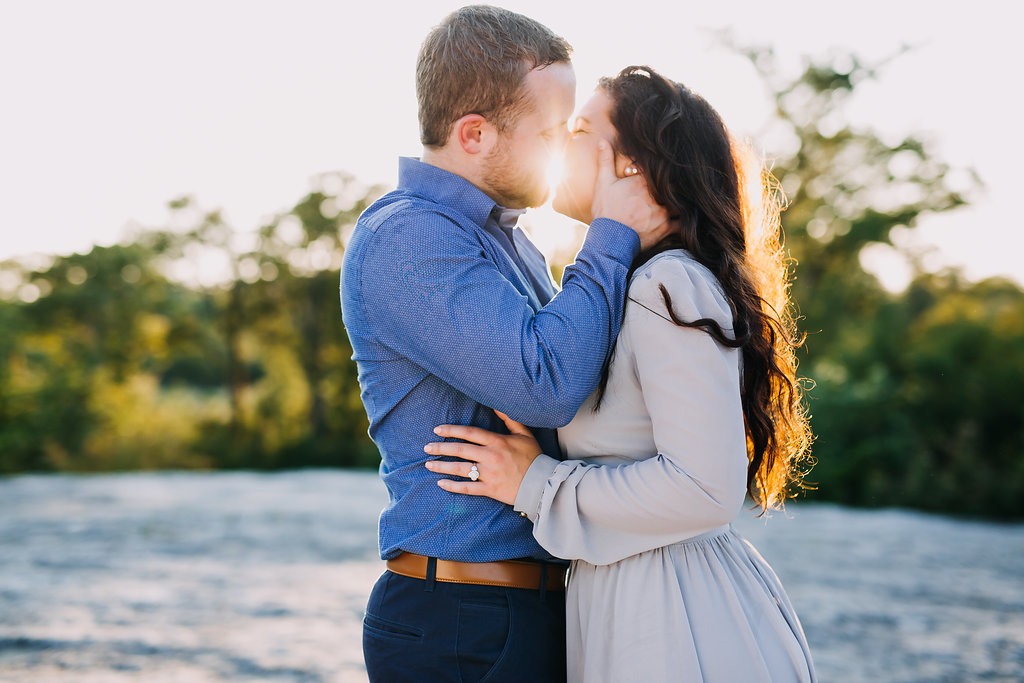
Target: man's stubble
(511, 185)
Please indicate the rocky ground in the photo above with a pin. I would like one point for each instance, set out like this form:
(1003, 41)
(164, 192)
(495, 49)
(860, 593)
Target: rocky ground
(197, 577)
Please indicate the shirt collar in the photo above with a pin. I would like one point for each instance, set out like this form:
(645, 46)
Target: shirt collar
(445, 188)
(508, 218)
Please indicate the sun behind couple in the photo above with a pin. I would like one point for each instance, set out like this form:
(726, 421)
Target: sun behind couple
(665, 361)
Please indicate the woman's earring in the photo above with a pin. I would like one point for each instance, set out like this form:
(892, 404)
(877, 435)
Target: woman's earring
(631, 170)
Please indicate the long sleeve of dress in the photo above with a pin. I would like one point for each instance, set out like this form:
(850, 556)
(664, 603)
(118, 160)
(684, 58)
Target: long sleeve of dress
(691, 392)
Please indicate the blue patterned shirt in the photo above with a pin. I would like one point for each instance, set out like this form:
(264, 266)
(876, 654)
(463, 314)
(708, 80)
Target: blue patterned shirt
(450, 316)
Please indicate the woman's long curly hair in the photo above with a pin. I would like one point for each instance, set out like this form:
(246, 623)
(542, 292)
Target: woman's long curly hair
(727, 206)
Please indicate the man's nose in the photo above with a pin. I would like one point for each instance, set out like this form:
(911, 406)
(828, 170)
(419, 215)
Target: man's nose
(563, 141)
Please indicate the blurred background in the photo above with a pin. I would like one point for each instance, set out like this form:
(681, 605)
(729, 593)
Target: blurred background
(177, 183)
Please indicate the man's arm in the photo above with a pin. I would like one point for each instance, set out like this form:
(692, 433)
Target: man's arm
(435, 298)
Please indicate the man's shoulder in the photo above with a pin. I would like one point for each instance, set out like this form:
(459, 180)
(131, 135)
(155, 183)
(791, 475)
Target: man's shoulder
(401, 234)
(410, 211)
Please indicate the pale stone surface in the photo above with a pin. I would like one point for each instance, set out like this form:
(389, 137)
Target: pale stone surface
(197, 577)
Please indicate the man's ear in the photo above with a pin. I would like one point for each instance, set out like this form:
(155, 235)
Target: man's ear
(474, 134)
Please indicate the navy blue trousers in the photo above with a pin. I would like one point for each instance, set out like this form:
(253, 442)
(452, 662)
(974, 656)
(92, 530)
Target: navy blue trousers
(415, 631)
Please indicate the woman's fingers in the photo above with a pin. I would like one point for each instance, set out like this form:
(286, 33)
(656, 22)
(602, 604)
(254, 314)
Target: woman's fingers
(466, 451)
(467, 433)
(466, 487)
(513, 426)
(465, 470)
(453, 467)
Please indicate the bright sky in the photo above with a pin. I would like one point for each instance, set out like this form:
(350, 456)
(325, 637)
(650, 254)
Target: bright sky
(111, 108)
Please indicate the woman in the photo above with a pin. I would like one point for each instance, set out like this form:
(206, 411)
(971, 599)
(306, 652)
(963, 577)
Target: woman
(699, 405)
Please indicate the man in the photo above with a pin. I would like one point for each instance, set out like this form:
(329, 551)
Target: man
(452, 312)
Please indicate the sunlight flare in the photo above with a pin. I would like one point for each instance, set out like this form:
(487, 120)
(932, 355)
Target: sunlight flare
(554, 172)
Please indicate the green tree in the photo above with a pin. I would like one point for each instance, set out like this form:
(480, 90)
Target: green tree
(919, 394)
(847, 189)
(128, 357)
(93, 321)
(293, 394)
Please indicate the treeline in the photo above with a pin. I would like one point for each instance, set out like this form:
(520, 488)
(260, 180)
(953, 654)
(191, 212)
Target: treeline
(918, 397)
(132, 357)
(123, 359)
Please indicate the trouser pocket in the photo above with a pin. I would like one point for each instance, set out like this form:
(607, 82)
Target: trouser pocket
(385, 628)
(483, 635)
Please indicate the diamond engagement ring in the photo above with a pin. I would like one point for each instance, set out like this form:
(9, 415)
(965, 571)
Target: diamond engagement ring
(474, 473)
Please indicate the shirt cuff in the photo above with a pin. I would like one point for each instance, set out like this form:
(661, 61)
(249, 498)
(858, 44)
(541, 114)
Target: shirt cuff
(531, 489)
(613, 239)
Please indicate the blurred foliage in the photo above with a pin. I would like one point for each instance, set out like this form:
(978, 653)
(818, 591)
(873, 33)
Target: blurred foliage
(919, 396)
(133, 356)
(130, 357)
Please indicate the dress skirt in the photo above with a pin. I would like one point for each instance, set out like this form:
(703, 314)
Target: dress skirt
(706, 609)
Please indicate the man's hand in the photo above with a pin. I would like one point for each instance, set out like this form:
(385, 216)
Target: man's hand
(627, 200)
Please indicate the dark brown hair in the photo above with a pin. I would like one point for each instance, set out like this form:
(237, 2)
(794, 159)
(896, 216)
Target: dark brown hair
(727, 209)
(474, 62)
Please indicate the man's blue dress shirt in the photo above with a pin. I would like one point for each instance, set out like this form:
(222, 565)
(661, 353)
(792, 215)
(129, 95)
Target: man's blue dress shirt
(451, 315)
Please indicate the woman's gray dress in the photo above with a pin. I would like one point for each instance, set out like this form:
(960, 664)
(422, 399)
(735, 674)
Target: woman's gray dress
(661, 587)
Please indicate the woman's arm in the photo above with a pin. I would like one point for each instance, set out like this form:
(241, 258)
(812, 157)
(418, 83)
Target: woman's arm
(696, 482)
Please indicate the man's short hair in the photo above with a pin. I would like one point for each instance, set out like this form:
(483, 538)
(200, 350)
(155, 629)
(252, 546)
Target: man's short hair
(475, 62)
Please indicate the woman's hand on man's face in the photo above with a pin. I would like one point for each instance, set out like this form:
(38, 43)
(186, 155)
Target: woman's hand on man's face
(500, 460)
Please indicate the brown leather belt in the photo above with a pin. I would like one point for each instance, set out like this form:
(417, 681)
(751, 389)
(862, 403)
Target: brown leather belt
(508, 573)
